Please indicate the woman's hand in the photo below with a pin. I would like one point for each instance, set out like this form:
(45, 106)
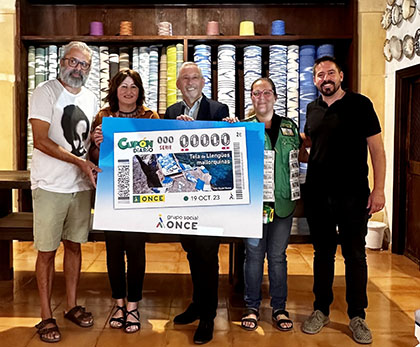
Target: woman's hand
(230, 120)
(98, 137)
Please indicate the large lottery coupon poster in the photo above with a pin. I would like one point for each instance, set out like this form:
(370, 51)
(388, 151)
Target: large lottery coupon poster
(176, 177)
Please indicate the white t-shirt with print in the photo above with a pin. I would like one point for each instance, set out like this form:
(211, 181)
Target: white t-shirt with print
(70, 117)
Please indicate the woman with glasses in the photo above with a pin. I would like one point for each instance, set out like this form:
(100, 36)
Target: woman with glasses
(125, 98)
(281, 174)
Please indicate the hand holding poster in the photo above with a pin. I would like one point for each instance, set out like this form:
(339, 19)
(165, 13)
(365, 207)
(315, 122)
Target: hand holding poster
(198, 178)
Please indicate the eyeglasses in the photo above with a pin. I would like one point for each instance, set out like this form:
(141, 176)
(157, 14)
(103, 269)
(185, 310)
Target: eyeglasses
(266, 93)
(73, 62)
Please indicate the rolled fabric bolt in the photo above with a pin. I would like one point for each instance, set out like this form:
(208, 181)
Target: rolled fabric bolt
(277, 27)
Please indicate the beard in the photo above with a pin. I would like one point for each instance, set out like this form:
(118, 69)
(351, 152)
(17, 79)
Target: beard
(330, 90)
(67, 76)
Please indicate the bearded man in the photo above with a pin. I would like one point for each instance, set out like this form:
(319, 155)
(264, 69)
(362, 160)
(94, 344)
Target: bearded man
(62, 181)
(341, 126)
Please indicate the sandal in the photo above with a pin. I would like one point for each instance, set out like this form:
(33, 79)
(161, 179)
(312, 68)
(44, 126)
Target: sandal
(79, 316)
(43, 331)
(135, 313)
(246, 319)
(280, 318)
(119, 321)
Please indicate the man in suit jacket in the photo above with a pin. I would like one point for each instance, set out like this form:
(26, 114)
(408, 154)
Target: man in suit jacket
(202, 251)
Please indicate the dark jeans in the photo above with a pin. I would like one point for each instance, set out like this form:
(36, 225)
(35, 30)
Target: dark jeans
(349, 213)
(132, 244)
(273, 244)
(203, 256)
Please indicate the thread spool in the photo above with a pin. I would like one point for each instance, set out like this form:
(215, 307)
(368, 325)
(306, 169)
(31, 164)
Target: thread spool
(277, 27)
(126, 28)
(96, 29)
(246, 28)
(212, 28)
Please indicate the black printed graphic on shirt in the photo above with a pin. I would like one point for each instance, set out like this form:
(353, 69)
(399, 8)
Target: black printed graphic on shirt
(76, 127)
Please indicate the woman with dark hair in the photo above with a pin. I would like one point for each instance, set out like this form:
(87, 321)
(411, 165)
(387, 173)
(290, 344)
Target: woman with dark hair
(125, 98)
(281, 145)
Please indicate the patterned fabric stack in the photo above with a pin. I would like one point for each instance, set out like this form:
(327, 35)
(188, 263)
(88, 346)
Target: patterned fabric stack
(163, 68)
(171, 76)
(226, 59)
(31, 87)
(278, 73)
(308, 90)
(104, 72)
(252, 71)
(152, 96)
(165, 29)
(93, 81)
(39, 65)
(179, 61)
(324, 50)
(114, 61)
(144, 69)
(293, 83)
(135, 62)
(202, 57)
(124, 58)
(52, 62)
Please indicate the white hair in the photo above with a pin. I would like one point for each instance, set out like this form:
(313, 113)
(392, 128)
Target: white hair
(187, 64)
(81, 46)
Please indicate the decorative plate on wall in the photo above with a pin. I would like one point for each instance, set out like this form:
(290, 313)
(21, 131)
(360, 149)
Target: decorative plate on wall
(390, 2)
(408, 8)
(417, 42)
(396, 14)
(408, 46)
(386, 18)
(387, 51)
(395, 45)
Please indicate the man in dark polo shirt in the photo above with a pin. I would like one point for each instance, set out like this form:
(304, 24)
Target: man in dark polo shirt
(341, 126)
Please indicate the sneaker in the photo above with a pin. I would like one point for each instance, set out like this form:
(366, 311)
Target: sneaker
(360, 330)
(315, 322)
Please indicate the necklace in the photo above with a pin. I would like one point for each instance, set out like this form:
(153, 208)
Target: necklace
(127, 114)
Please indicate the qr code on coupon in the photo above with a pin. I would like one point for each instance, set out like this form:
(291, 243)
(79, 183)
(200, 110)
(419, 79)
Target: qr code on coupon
(123, 181)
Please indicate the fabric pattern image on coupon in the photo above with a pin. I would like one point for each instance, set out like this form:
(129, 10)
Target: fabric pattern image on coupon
(76, 127)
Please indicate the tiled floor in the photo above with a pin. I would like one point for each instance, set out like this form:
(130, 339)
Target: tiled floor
(393, 289)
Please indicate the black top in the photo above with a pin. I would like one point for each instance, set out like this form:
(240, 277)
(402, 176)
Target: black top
(338, 156)
(273, 131)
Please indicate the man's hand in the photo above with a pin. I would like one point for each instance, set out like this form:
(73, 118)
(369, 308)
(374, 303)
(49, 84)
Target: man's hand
(98, 136)
(376, 201)
(185, 117)
(230, 120)
(90, 170)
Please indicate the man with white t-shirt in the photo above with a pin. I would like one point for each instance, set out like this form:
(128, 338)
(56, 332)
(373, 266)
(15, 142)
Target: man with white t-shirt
(62, 181)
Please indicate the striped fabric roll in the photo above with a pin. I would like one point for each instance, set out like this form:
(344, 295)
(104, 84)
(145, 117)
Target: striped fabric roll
(252, 71)
(31, 87)
(293, 83)
(179, 61)
(52, 62)
(152, 97)
(124, 58)
(114, 61)
(39, 65)
(278, 73)
(323, 50)
(93, 81)
(226, 93)
(104, 72)
(163, 68)
(171, 77)
(46, 57)
(202, 57)
(144, 69)
(135, 64)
